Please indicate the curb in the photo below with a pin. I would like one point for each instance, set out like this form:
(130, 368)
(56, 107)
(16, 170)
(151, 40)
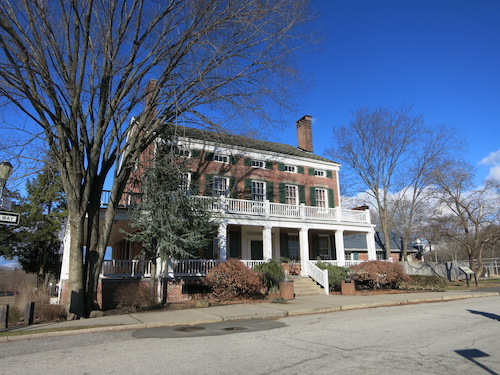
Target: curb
(217, 319)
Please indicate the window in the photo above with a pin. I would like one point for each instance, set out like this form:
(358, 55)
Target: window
(321, 198)
(180, 151)
(324, 245)
(380, 256)
(293, 246)
(258, 190)
(319, 173)
(221, 158)
(258, 163)
(185, 181)
(291, 168)
(221, 187)
(291, 194)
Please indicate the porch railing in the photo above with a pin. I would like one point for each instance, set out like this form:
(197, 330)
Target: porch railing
(126, 268)
(318, 275)
(191, 267)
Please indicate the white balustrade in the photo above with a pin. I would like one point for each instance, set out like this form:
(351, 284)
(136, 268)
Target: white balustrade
(319, 275)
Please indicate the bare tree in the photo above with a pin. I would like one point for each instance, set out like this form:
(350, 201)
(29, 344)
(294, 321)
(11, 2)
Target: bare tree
(469, 216)
(79, 70)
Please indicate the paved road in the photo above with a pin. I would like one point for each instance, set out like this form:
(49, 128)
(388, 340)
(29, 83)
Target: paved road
(457, 337)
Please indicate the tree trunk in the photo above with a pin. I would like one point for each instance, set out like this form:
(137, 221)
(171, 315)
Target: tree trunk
(76, 286)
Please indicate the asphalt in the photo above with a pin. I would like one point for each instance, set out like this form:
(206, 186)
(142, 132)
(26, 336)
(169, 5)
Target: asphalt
(213, 314)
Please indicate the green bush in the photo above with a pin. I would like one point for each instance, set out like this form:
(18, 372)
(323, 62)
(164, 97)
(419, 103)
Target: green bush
(232, 279)
(425, 282)
(335, 274)
(272, 272)
(378, 274)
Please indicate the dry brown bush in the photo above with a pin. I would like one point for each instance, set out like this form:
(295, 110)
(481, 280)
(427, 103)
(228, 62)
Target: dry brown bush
(378, 274)
(135, 296)
(232, 279)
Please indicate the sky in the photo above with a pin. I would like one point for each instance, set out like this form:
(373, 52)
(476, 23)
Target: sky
(442, 57)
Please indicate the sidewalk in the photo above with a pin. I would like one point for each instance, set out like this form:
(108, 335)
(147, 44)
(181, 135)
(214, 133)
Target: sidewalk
(298, 306)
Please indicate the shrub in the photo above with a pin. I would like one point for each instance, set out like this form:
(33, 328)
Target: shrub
(425, 282)
(378, 274)
(135, 296)
(272, 272)
(231, 279)
(50, 313)
(335, 274)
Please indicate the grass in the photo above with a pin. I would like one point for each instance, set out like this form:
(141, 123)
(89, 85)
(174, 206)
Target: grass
(482, 283)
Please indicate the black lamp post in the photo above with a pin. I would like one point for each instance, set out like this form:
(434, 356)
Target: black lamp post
(5, 172)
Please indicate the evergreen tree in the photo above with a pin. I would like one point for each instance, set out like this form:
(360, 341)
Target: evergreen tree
(36, 241)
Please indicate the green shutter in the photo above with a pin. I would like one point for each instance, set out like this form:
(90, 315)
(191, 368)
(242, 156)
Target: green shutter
(300, 169)
(247, 162)
(194, 186)
(234, 244)
(195, 154)
(302, 194)
(284, 245)
(312, 196)
(270, 191)
(209, 156)
(269, 165)
(248, 189)
(281, 192)
(356, 255)
(331, 198)
(329, 174)
(233, 193)
(315, 246)
(281, 167)
(233, 160)
(311, 171)
(209, 185)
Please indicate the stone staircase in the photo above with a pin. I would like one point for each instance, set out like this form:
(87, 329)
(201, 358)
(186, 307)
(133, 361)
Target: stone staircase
(305, 286)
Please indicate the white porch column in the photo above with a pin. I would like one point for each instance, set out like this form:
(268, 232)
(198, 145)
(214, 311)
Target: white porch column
(370, 244)
(222, 240)
(304, 249)
(267, 242)
(339, 247)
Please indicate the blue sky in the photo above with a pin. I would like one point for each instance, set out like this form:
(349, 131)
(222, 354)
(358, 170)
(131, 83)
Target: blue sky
(440, 56)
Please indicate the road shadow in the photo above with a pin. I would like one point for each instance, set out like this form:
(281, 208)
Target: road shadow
(472, 354)
(488, 315)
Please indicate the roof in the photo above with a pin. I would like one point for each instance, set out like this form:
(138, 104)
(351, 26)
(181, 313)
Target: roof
(246, 142)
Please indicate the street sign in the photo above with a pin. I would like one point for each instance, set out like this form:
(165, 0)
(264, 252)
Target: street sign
(9, 218)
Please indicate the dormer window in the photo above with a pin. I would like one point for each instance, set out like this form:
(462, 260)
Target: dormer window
(319, 173)
(258, 163)
(291, 168)
(221, 158)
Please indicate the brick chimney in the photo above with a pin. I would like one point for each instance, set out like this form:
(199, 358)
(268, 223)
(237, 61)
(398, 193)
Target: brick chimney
(304, 133)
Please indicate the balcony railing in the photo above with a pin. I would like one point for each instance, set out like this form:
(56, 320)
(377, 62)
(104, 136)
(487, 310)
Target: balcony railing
(261, 208)
(126, 268)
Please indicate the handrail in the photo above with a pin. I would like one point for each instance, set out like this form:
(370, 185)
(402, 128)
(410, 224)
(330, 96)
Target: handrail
(318, 275)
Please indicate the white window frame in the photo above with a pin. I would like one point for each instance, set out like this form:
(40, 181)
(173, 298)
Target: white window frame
(223, 190)
(290, 197)
(185, 182)
(320, 173)
(258, 164)
(182, 152)
(258, 190)
(290, 168)
(220, 158)
(322, 203)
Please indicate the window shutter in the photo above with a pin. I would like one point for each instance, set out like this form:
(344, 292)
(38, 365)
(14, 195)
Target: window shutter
(302, 194)
(284, 245)
(269, 165)
(281, 192)
(270, 191)
(315, 246)
(209, 185)
(247, 162)
(196, 154)
(281, 167)
(331, 198)
(300, 170)
(233, 191)
(248, 189)
(312, 196)
(311, 171)
(356, 255)
(194, 186)
(233, 160)
(209, 156)
(329, 174)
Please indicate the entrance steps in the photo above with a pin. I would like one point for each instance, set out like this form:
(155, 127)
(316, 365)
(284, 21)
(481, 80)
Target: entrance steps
(305, 286)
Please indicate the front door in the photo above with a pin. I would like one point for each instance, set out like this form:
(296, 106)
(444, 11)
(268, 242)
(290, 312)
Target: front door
(257, 250)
